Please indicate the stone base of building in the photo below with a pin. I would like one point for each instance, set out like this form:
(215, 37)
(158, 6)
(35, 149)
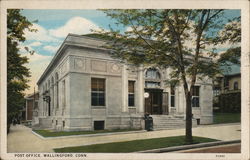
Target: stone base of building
(93, 123)
(206, 119)
(112, 122)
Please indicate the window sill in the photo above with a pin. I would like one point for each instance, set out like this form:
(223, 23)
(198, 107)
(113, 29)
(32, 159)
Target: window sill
(98, 107)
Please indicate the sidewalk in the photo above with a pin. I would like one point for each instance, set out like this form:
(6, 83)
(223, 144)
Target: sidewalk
(21, 139)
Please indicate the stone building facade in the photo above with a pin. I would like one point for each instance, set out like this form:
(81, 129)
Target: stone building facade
(31, 107)
(84, 88)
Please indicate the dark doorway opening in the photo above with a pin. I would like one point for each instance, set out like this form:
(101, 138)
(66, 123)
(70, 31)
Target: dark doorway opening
(153, 103)
(49, 108)
(98, 125)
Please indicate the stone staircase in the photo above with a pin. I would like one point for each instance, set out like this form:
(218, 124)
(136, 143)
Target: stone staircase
(169, 122)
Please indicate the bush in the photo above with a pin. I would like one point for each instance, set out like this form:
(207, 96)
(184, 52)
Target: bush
(230, 102)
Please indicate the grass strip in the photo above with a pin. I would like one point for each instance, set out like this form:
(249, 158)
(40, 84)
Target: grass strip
(226, 118)
(133, 146)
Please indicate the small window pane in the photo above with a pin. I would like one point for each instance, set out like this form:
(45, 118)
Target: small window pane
(101, 101)
(195, 97)
(94, 86)
(101, 85)
(172, 91)
(97, 92)
(196, 90)
(131, 86)
(195, 102)
(152, 73)
(131, 91)
(172, 101)
(236, 86)
(131, 100)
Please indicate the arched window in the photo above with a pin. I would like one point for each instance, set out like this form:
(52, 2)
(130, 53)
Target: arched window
(152, 78)
(236, 86)
(48, 84)
(57, 90)
(52, 80)
(152, 73)
(52, 94)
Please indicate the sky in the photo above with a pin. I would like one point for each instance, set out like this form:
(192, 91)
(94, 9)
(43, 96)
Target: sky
(54, 25)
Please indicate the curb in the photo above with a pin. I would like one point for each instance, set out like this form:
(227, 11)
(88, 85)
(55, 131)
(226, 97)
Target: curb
(88, 135)
(185, 147)
(219, 124)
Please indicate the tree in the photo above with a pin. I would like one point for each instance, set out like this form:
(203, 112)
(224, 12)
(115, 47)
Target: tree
(231, 33)
(17, 73)
(162, 38)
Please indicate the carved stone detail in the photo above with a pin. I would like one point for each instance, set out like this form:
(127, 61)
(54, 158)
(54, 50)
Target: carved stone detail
(115, 68)
(79, 63)
(99, 66)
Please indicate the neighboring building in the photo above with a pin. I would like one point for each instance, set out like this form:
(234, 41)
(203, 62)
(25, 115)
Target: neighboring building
(84, 88)
(30, 111)
(227, 87)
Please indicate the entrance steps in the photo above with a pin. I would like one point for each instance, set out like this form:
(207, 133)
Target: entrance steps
(44, 123)
(169, 122)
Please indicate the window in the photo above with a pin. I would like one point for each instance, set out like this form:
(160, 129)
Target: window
(52, 95)
(131, 93)
(152, 74)
(236, 86)
(149, 84)
(152, 77)
(172, 90)
(196, 97)
(97, 92)
(57, 91)
(64, 94)
(98, 125)
(216, 91)
(57, 95)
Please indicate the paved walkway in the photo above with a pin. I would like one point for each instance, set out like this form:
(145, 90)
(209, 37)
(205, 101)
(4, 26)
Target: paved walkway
(229, 148)
(21, 139)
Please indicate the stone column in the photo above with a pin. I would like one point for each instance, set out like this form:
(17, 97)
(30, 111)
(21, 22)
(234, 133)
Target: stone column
(140, 94)
(178, 104)
(124, 89)
(51, 100)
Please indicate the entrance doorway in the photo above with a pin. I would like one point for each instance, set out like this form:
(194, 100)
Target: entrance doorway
(153, 103)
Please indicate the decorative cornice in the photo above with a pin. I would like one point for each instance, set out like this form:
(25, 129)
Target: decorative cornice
(67, 43)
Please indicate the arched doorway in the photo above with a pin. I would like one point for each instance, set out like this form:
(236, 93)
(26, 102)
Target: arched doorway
(153, 91)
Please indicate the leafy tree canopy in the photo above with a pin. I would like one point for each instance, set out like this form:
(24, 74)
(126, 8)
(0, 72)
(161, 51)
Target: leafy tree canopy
(179, 39)
(231, 33)
(17, 73)
(166, 38)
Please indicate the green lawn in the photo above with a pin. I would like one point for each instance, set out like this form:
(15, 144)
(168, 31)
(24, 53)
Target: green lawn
(226, 118)
(48, 133)
(133, 146)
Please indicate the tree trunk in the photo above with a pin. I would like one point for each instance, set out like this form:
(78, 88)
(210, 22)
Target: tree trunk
(189, 138)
